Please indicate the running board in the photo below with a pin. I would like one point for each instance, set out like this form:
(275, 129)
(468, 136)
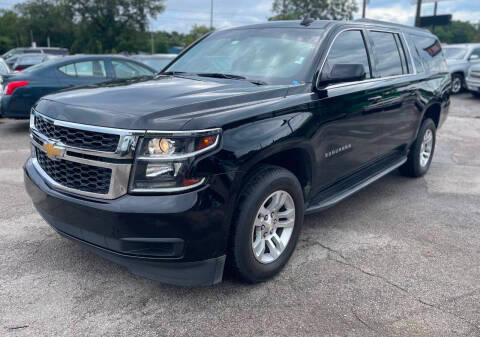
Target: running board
(336, 198)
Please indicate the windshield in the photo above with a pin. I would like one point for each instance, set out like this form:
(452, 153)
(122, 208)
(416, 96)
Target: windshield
(271, 55)
(455, 53)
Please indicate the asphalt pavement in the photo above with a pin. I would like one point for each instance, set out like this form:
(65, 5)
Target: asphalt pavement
(399, 258)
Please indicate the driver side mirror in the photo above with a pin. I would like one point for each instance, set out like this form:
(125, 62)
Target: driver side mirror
(344, 73)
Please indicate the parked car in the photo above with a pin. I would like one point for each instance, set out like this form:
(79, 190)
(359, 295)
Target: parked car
(459, 59)
(4, 68)
(22, 90)
(219, 157)
(38, 50)
(27, 60)
(473, 80)
(156, 61)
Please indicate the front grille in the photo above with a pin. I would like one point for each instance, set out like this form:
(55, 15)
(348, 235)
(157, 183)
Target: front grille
(78, 138)
(74, 175)
(475, 74)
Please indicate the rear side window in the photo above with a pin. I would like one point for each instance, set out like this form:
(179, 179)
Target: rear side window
(416, 56)
(430, 52)
(388, 56)
(94, 68)
(69, 70)
(348, 48)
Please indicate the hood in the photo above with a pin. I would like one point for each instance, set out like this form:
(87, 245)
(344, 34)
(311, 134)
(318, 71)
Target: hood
(455, 61)
(162, 103)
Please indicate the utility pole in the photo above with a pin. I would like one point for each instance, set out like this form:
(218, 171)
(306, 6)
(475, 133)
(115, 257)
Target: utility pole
(364, 8)
(153, 42)
(48, 41)
(211, 14)
(419, 13)
(434, 14)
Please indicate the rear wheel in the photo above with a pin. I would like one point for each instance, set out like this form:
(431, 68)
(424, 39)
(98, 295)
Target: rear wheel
(266, 224)
(421, 152)
(457, 83)
(476, 94)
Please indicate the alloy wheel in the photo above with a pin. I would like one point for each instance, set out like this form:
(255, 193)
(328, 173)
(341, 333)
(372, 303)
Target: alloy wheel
(273, 227)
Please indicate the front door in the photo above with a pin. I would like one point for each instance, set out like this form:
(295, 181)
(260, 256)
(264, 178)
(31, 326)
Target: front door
(347, 114)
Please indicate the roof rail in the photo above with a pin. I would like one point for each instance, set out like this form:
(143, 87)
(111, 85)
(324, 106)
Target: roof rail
(379, 22)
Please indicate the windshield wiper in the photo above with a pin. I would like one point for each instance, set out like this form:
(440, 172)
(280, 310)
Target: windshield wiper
(232, 77)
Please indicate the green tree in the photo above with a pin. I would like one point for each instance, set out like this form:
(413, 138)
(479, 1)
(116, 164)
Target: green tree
(112, 21)
(458, 32)
(9, 38)
(315, 9)
(195, 33)
(46, 19)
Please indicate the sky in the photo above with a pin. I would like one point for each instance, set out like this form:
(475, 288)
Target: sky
(181, 15)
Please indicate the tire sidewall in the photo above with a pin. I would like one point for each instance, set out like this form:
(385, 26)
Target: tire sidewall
(427, 124)
(459, 78)
(244, 227)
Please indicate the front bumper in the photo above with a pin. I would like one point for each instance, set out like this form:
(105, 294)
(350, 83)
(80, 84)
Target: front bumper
(473, 85)
(177, 239)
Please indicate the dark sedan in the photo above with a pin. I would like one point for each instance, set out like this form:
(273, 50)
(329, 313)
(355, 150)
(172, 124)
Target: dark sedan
(20, 91)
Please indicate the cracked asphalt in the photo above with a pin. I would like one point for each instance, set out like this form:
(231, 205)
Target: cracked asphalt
(399, 258)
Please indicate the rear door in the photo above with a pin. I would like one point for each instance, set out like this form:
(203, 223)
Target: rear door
(396, 83)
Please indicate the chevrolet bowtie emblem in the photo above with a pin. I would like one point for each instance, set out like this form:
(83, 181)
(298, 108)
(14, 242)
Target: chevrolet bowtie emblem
(53, 152)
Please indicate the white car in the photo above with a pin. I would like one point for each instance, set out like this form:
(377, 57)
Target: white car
(473, 80)
(460, 57)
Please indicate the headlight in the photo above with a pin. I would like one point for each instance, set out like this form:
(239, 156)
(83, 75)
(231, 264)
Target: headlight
(163, 160)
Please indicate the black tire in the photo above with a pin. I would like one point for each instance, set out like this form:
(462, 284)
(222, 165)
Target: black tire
(413, 167)
(458, 83)
(476, 94)
(258, 187)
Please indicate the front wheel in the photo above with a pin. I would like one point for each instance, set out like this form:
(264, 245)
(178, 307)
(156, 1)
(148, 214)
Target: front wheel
(457, 83)
(266, 224)
(421, 152)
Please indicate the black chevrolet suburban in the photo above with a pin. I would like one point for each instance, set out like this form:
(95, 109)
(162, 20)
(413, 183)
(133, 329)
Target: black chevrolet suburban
(214, 162)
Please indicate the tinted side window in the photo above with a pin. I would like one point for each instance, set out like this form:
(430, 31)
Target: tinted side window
(125, 69)
(348, 48)
(387, 55)
(430, 51)
(91, 69)
(415, 55)
(69, 70)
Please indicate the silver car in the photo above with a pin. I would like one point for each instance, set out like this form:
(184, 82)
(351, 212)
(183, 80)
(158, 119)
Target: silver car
(460, 57)
(473, 80)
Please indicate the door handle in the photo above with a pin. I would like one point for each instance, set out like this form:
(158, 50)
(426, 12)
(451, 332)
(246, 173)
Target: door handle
(375, 98)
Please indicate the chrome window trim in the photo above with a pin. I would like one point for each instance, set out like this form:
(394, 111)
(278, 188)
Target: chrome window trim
(361, 29)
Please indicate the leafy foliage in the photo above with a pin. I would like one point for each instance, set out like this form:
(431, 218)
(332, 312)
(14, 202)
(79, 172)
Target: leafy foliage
(458, 32)
(315, 9)
(90, 26)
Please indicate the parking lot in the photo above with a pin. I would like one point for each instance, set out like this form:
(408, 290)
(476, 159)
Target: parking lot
(399, 258)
